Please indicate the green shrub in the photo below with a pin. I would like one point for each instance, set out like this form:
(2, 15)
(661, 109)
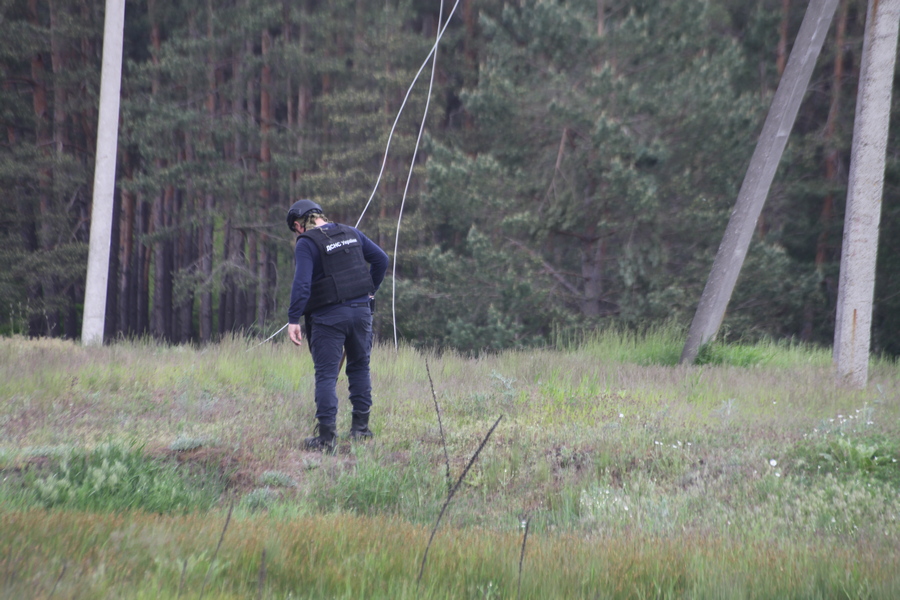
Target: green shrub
(376, 484)
(259, 499)
(111, 477)
(844, 456)
(277, 479)
(736, 355)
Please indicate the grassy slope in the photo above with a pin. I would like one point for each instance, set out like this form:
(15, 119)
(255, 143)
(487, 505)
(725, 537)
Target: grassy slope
(637, 479)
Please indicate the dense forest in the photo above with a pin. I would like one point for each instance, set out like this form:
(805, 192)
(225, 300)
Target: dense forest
(578, 165)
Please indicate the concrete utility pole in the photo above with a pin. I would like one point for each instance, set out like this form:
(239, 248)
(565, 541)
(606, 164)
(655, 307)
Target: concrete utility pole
(856, 287)
(104, 175)
(760, 173)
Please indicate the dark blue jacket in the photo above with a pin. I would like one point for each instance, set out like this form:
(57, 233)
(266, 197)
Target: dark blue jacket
(309, 268)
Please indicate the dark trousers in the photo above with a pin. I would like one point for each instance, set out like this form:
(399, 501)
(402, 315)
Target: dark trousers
(333, 331)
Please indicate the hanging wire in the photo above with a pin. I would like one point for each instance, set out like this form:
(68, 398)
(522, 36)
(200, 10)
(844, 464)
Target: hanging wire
(268, 338)
(412, 165)
(433, 51)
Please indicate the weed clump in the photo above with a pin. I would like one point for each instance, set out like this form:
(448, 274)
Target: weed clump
(115, 478)
(844, 457)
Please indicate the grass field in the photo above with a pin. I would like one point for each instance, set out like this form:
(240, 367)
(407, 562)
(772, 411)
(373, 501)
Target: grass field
(144, 471)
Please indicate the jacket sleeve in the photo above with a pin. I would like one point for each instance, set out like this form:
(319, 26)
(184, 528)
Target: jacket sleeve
(303, 270)
(377, 259)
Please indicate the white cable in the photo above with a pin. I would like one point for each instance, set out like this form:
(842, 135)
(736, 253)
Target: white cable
(399, 112)
(268, 338)
(412, 165)
(433, 52)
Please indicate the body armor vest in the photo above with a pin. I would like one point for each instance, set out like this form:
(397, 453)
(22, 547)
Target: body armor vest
(346, 272)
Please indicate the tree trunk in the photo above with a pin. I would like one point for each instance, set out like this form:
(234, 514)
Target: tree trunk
(185, 258)
(226, 296)
(30, 244)
(143, 260)
(126, 321)
(592, 255)
(44, 141)
(58, 64)
(161, 322)
(207, 222)
(112, 289)
(832, 154)
(161, 315)
(856, 288)
(470, 44)
(88, 116)
(240, 285)
(11, 134)
(287, 32)
(60, 94)
(258, 255)
(783, 30)
(601, 18)
(304, 97)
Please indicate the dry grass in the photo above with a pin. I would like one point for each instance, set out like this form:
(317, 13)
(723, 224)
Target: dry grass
(632, 474)
(141, 556)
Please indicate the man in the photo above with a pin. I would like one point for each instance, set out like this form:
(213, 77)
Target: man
(338, 270)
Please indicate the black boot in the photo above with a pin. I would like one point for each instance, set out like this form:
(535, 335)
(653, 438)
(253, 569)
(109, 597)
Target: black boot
(324, 441)
(359, 427)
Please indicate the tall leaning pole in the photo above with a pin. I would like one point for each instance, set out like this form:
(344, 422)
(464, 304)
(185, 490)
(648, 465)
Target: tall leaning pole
(104, 176)
(856, 287)
(763, 164)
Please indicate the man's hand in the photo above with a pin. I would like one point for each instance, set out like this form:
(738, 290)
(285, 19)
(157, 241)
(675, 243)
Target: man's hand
(295, 333)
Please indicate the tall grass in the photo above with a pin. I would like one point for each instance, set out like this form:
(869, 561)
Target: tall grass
(341, 556)
(753, 475)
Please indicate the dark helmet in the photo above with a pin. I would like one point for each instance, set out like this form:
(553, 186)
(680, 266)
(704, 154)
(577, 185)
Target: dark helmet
(299, 210)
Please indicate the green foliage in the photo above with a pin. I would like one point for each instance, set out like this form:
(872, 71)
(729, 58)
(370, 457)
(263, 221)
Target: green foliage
(739, 355)
(259, 499)
(868, 457)
(578, 168)
(655, 345)
(115, 478)
(277, 479)
(593, 181)
(374, 486)
(475, 299)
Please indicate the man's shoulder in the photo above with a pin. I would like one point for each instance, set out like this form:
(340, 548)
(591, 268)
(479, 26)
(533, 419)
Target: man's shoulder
(327, 227)
(349, 230)
(342, 226)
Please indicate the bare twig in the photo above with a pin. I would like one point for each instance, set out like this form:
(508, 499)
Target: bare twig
(11, 570)
(440, 424)
(548, 268)
(262, 576)
(450, 497)
(181, 583)
(216, 553)
(55, 585)
(522, 556)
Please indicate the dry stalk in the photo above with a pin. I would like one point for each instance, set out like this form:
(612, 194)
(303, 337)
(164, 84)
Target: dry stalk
(216, 553)
(11, 570)
(450, 497)
(55, 585)
(522, 556)
(181, 583)
(262, 576)
(440, 424)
